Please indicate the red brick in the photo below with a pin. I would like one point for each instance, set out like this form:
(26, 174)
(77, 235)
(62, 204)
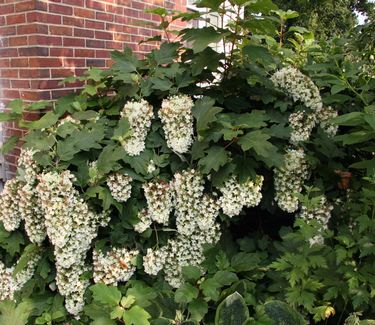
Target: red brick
(7, 9)
(35, 73)
(104, 16)
(61, 73)
(25, 6)
(25, 84)
(61, 52)
(16, 63)
(45, 40)
(4, 63)
(81, 32)
(9, 73)
(45, 62)
(44, 17)
(71, 21)
(61, 30)
(95, 63)
(78, 3)
(4, 83)
(7, 30)
(85, 13)
(62, 92)
(114, 9)
(32, 29)
(95, 43)
(33, 51)
(45, 84)
(8, 52)
(59, 9)
(94, 24)
(41, 6)
(95, 5)
(35, 95)
(121, 37)
(113, 27)
(103, 35)
(102, 54)
(16, 19)
(138, 5)
(18, 41)
(74, 42)
(10, 93)
(84, 53)
(73, 62)
(128, 12)
(114, 45)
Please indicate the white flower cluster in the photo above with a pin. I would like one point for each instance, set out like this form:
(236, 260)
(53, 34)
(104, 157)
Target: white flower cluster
(195, 213)
(120, 186)
(188, 188)
(321, 213)
(29, 201)
(236, 195)
(289, 179)
(302, 125)
(325, 115)
(114, 266)
(9, 202)
(179, 252)
(69, 119)
(144, 223)
(298, 86)
(159, 200)
(71, 226)
(177, 120)
(10, 282)
(139, 115)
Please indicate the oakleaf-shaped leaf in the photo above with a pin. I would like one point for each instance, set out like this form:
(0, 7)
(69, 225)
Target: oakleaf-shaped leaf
(215, 158)
(202, 37)
(205, 113)
(106, 295)
(136, 316)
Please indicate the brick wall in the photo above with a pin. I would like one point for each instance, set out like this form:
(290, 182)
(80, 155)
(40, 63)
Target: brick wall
(44, 41)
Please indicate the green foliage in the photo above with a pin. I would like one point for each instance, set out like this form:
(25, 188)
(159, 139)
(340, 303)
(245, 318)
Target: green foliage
(241, 129)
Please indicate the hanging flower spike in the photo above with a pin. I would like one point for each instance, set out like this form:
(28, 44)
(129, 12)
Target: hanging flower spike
(177, 121)
(139, 115)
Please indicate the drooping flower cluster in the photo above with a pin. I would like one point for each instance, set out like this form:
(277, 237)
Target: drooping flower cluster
(298, 86)
(325, 115)
(195, 214)
(159, 200)
(177, 121)
(114, 266)
(289, 179)
(236, 195)
(120, 186)
(180, 251)
(144, 221)
(9, 202)
(139, 115)
(29, 201)
(10, 283)
(320, 213)
(302, 125)
(71, 226)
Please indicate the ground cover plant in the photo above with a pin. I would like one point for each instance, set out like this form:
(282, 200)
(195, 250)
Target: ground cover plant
(197, 186)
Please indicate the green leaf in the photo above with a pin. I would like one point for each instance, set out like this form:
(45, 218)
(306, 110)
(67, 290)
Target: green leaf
(242, 262)
(16, 106)
(9, 144)
(47, 120)
(191, 272)
(258, 6)
(107, 160)
(205, 113)
(15, 315)
(186, 293)
(256, 119)
(225, 278)
(202, 37)
(27, 254)
(210, 288)
(166, 53)
(107, 295)
(136, 316)
(11, 242)
(198, 309)
(122, 131)
(212, 4)
(103, 320)
(160, 83)
(143, 294)
(38, 105)
(258, 54)
(5, 117)
(282, 313)
(232, 311)
(215, 158)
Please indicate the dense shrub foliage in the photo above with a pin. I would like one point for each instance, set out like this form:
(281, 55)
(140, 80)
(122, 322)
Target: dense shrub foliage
(200, 187)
